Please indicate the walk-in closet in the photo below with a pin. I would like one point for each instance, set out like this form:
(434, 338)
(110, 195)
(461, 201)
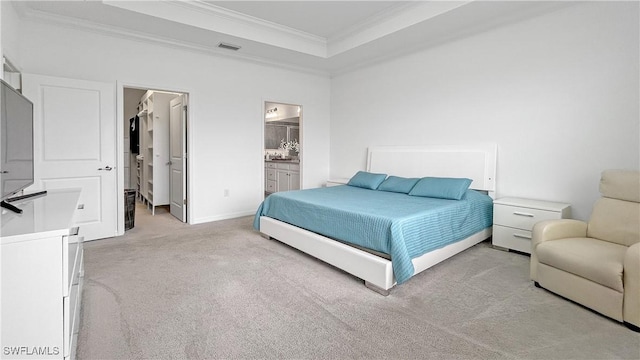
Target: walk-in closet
(155, 149)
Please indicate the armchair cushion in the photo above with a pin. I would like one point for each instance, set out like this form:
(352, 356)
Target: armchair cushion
(620, 184)
(592, 259)
(615, 221)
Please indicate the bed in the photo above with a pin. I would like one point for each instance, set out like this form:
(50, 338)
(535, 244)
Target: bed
(386, 237)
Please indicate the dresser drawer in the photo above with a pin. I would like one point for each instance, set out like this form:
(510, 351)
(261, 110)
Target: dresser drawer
(282, 166)
(271, 186)
(270, 165)
(271, 174)
(71, 311)
(520, 217)
(510, 238)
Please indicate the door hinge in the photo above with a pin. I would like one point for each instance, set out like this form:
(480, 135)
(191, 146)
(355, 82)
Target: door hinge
(184, 201)
(184, 108)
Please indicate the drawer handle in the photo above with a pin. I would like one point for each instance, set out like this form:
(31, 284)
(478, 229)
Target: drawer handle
(522, 236)
(522, 214)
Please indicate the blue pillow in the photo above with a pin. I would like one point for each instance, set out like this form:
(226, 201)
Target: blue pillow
(398, 184)
(367, 180)
(441, 188)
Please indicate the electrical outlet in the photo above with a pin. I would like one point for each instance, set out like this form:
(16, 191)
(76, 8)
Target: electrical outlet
(226, 192)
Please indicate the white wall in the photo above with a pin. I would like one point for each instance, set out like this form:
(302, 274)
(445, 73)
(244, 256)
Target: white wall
(9, 33)
(558, 94)
(2, 21)
(226, 106)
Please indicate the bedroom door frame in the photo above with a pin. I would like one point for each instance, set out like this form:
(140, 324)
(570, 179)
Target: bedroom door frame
(120, 86)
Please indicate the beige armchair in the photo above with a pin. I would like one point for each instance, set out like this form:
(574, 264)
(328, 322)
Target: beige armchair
(596, 264)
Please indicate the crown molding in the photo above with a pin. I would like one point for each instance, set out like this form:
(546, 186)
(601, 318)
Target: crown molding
(231, 14)
(214, 18)
(367, 23)
(388, 22)
(143, 37)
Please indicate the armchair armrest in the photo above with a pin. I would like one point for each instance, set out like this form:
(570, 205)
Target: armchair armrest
(631, 278)
(553, 230)
(558, 229)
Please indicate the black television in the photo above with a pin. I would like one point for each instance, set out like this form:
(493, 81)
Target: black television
(16, 142)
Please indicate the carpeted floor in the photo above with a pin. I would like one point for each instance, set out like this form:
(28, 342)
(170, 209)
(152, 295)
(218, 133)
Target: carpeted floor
(167, 290)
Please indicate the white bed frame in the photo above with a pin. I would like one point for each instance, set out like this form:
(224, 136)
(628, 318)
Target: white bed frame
(475, 161)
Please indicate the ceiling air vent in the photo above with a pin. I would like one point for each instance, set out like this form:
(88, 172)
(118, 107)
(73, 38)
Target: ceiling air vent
(229, 46)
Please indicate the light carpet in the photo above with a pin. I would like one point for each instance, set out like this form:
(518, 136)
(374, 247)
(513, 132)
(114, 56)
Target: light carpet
(168, 290)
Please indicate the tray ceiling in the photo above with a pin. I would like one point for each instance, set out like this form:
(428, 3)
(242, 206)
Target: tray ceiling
(328, 37)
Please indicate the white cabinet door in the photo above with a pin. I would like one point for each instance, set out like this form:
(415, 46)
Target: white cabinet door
(74, 146)
(283, 180)
(178, 153)
(294, 181)
(32, 297)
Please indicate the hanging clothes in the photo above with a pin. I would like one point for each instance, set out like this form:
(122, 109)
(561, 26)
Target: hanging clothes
(134, 135)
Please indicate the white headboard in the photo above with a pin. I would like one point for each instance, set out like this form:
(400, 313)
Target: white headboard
(474, 161)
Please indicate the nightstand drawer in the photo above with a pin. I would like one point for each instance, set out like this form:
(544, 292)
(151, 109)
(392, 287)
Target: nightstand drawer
(510, 238)
(520, 217)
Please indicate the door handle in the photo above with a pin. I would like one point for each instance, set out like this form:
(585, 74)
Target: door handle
(106, 168)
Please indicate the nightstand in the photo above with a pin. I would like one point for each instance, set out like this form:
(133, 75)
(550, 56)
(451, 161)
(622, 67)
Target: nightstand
(513, 220)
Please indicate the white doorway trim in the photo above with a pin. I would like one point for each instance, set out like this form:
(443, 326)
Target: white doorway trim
(120, 86)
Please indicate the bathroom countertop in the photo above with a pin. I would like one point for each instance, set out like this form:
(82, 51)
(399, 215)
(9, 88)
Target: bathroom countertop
(283, 161)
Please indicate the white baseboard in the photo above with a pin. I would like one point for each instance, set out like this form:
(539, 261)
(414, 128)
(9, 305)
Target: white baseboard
(222, 217)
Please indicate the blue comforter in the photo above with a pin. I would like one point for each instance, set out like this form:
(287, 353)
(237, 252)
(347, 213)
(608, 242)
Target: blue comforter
(402, 226)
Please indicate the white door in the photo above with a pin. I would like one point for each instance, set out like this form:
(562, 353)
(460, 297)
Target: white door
(178, 151)
(74, 146)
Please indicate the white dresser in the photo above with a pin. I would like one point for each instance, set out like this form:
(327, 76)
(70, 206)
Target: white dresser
(513, 220)
(41, 278)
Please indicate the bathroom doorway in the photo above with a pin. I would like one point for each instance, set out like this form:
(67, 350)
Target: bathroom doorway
(282, 146)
